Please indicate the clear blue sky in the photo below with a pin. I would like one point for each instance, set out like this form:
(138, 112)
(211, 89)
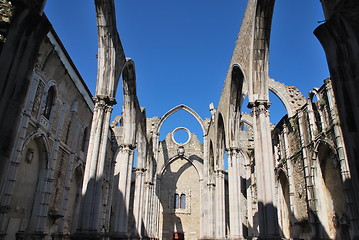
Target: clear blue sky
(182, 49)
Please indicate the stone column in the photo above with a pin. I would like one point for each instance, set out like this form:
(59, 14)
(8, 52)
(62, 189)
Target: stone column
(122, 190)
(234, 181)
(91, 205)
(138, 200)
(210, 229)
(267, 211)
(220, 205)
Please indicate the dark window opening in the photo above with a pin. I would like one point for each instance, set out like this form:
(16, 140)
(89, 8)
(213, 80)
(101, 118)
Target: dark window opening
(49, 102)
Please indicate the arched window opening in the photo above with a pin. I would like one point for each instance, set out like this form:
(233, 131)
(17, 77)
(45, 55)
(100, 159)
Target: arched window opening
(221, 146)
(277, 108)
(318, 121)
(183, 201)
(50, 100)
(84, 139)
(176, 201)
(332, 203)
(181, 118)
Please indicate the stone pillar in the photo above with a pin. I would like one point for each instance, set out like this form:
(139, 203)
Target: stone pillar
(138, 201)
(91, 205)
(121, 195)
(234, 181)
(267, 211)
(220, 205)
(211, 212)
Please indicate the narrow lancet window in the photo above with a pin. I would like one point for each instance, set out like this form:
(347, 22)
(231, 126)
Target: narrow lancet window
(183, 201)
(49, 102)
(176, 201)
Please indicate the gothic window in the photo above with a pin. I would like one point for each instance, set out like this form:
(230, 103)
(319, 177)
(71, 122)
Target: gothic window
(176, 201)
(183, 201)
(50, 99)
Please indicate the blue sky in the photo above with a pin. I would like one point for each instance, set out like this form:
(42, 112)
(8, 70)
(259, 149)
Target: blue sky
(182, 49)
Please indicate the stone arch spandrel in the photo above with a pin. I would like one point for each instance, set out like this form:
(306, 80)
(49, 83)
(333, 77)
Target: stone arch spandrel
(176, 109)
(290, 96)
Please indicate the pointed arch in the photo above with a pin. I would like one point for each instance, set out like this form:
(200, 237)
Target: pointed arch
(195, 165)
(176, 109)
(220, 141)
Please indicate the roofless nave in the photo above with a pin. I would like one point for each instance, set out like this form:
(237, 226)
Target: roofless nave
(65, 176)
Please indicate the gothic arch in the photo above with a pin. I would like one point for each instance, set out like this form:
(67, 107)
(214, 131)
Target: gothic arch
(290, 96)
(176, 109)
(38, 158)
(40, 138)
(195, 165)
(235, 102)
(329, 190)
(317, 144)
(284, 211)
(220, 141)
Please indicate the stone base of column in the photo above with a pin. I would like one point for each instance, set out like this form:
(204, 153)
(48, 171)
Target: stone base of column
(270, 238)
(90, 235)
(119, 236)
(59, 236)
(32, 236)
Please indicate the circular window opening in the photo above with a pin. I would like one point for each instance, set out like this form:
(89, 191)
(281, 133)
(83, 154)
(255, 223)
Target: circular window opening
(181, 135)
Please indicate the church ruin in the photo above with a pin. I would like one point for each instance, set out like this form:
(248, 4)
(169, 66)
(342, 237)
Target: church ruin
(68, 172)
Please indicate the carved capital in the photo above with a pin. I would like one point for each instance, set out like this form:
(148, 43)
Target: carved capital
(140, 170)
(105, 100)
(128, 148)
(260, 107)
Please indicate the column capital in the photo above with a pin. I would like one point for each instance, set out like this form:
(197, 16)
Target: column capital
(260, 107)
(140, 170)
(128, 146)
(105, 100)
